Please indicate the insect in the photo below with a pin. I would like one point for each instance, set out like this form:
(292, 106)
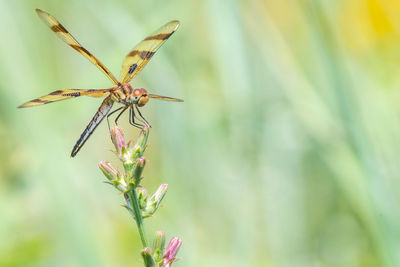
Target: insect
(122, 92)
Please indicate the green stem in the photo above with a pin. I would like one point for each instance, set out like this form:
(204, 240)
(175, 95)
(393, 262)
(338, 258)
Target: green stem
(137, 214)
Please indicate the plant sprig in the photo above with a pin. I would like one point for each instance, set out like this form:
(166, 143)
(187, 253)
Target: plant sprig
(138, 202)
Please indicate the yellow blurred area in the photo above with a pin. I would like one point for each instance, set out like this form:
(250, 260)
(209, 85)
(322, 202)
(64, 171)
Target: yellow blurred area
(284, 153)
(368, 24)
(378, 18)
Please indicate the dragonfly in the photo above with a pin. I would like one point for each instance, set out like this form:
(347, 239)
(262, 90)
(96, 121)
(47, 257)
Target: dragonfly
(122, 92)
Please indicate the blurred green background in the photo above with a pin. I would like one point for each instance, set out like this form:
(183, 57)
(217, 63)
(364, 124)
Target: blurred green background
(285, 152)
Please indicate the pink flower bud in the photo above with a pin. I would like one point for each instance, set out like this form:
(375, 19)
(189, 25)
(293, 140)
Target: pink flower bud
(171, 251)
(118, 139)
(146, 129)
(108, 170)
(141, 162)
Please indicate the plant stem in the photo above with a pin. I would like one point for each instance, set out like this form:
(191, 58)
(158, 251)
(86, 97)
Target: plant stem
(137, 213)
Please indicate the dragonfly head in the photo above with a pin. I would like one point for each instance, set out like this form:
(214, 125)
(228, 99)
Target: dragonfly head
(140, 97)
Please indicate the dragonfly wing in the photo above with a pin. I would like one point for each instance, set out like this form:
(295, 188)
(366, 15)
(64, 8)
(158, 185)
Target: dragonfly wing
(65, 94)
(61, 32)
(103, 110)
(141, 54)
(165, 98)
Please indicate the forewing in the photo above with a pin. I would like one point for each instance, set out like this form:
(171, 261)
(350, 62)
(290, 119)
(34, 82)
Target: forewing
(103, 110)
(65, 94)
(141, 54)
(61, 32)
(165, 98)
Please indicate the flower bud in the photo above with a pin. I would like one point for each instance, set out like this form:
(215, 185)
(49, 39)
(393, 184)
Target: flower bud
(137, 173)
(146, 129)
(171, 251)
(142, 196)
(108, 170)
(158, 245)
(147, 258)
(113, 176)
(141, 162)
(118, 138)
(160, 193)
(137, 149)
(154, 201)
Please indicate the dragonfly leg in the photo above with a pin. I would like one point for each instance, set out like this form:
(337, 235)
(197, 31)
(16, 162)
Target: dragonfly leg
(141, 116)
(108, 122)
(132, 118)
(139, 119)
(119, 115)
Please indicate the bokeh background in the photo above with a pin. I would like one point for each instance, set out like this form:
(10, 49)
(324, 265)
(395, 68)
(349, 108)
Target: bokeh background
(285, 152)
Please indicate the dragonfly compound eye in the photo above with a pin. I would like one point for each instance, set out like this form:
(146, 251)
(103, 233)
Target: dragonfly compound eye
(136, 93)
(143, 100)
